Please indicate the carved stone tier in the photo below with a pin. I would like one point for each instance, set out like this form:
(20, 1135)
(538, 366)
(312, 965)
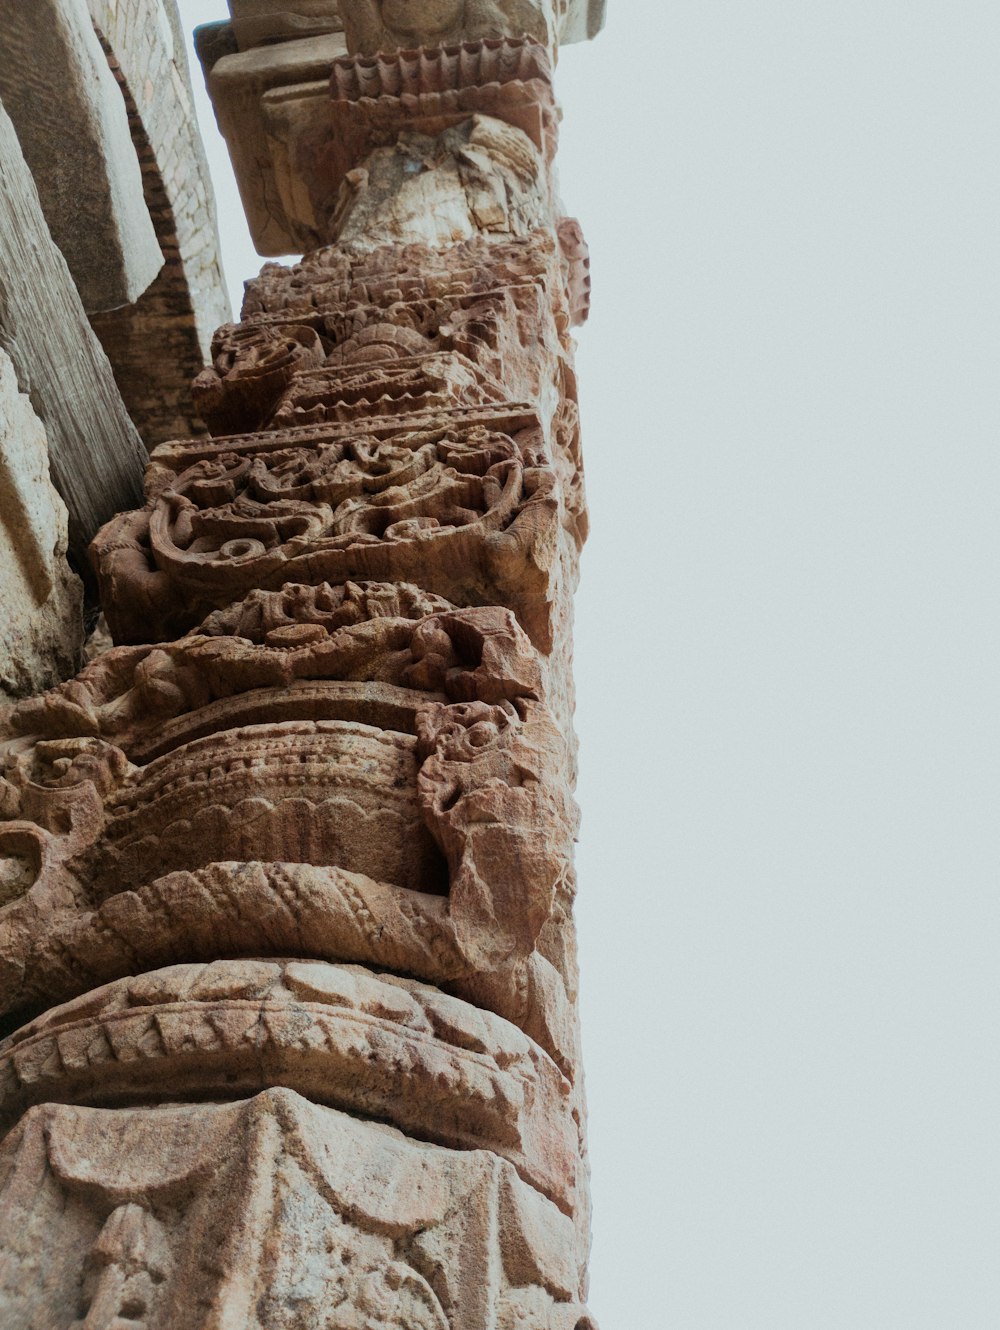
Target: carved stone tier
(309, 127)
(272, 1214)
(372, 730)
(388, 444)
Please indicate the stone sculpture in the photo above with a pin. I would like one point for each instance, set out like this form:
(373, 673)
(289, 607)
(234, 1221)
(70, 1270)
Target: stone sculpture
(287, 971)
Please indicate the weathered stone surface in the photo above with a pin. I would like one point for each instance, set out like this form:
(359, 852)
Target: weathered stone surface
(383, 25)
(95, 454)
(305, 836)
(327, 146)
(582, 20)
(237, 83)
(101, 99)
(43, 627)
(57, 88)
(178, 313)
(256, 22)
(271, 1214)
(481, 176)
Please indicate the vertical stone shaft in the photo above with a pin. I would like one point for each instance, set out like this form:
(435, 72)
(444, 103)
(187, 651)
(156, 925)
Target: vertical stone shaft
(286, 944)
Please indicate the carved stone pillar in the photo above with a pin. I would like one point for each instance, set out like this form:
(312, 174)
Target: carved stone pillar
(286, 950)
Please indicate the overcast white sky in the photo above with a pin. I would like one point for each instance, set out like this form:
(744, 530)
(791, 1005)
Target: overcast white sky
(786, 658)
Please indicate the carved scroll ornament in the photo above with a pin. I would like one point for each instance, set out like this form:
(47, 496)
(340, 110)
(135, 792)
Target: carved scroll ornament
(472, 514)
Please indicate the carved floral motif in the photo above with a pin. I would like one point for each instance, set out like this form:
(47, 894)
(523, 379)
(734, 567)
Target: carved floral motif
(474, 513)
(272, 1214)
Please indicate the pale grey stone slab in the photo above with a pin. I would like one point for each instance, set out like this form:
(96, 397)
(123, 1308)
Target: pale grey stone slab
(96, 455)
(72, 123)
(160, 343)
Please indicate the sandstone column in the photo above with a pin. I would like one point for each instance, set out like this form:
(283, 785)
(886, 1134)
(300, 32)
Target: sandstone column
(286, 944)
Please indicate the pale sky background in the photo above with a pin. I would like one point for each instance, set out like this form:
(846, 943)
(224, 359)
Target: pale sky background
(786, 657)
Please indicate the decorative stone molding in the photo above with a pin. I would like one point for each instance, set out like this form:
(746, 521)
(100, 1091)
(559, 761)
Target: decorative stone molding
(95, 454)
